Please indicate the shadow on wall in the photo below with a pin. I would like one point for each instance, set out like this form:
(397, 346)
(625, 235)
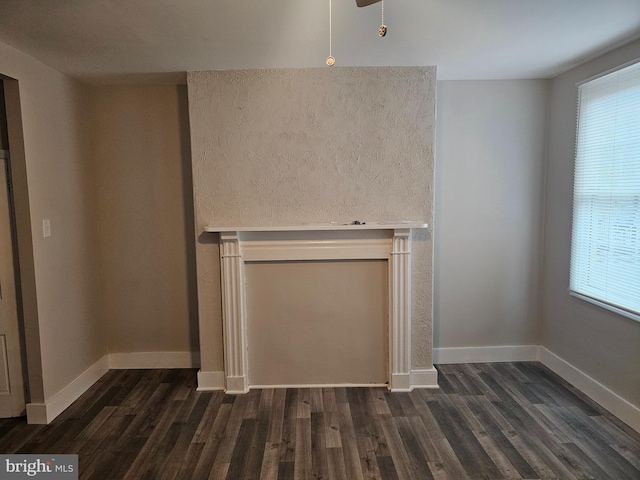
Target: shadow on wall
(189, 219)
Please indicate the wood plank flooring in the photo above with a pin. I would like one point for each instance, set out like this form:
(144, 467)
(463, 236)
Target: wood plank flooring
(487, 421)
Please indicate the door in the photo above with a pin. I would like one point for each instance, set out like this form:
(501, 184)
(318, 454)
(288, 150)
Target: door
(12, 397)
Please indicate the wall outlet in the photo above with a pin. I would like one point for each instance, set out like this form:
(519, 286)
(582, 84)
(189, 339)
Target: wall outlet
(46, 228)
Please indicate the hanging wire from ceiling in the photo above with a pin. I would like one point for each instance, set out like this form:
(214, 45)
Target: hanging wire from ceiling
(330, 60)
(382, 31)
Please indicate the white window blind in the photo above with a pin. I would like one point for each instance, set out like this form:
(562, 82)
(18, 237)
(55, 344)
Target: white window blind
(605, 244)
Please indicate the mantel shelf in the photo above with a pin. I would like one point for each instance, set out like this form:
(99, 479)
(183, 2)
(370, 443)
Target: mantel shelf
(305, 227)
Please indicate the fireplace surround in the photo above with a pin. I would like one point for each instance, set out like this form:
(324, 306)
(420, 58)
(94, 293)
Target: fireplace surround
(390, 241)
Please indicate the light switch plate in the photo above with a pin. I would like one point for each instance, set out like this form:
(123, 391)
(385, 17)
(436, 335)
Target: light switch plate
(46, 228)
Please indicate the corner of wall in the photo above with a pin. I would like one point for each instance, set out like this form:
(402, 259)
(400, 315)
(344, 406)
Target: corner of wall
(45, 412)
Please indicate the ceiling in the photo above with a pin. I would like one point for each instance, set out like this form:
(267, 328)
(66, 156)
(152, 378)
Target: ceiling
(107, 41)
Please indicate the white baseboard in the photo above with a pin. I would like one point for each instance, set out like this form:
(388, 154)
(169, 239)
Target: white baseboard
(209, 381)
(44, 413)
(420, 378)
(509, 353)
(424, 378)
(321, 385)
(146, 360)
(621, 408)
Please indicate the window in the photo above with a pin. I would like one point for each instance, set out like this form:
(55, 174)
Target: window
(605, 242)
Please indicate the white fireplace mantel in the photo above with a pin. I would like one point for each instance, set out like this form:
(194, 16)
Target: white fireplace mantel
(329, 226)
(389, 241)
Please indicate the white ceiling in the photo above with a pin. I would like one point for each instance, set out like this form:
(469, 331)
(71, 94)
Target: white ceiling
(106, 41)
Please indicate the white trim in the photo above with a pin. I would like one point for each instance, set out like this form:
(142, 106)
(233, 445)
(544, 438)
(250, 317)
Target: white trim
(607, 306)
(145, 360)
(329, 226)
(607, 72)
(321, 385)
(400, 311)
(420, 378)
(400, 382)
(209, 381)
(44, 413)
(234, 313)
(295, 249)
(508, 353)
(424, 378)
(621, 408)
(237, 385)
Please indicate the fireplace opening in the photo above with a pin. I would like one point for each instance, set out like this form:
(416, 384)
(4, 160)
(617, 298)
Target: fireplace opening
(317, 323)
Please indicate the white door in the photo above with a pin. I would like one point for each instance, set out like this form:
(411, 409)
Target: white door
(12, 403)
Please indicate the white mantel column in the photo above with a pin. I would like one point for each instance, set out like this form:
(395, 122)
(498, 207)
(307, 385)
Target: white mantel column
(234, 314)
(400, 311)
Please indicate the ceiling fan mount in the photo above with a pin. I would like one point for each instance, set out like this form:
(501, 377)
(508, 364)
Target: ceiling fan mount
(365, 3)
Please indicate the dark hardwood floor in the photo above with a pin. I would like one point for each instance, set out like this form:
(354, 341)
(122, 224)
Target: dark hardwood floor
(487, 421)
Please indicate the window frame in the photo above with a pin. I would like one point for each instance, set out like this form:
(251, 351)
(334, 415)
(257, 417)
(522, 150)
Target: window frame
(620, 310)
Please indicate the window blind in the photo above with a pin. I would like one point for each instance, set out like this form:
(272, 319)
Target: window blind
(605, 243)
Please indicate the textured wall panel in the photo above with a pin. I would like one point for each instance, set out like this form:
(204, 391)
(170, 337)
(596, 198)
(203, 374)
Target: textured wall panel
(312, 145)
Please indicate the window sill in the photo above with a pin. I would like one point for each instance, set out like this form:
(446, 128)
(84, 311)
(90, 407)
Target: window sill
(612, 308)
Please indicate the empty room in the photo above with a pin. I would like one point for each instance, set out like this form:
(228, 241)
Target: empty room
(330, 239)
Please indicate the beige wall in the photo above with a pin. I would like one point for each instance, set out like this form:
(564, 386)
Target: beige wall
(489, 203)
(604, 345)
(144, 210)
(317, 322)
(110, 167)
(311, 145)
(67, 328)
